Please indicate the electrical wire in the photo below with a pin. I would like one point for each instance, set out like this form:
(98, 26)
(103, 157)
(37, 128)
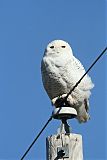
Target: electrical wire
(87, 71)
(62, 102)
(36, 138)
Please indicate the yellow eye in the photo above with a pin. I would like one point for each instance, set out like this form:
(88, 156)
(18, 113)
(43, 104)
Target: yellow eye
(51, 47)
(63, 46)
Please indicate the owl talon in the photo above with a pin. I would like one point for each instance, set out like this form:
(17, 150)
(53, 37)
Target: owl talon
(54, 100)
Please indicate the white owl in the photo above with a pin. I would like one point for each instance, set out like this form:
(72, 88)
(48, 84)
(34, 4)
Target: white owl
(60, 72)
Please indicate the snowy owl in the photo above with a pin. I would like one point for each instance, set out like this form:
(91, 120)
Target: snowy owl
(60, 72)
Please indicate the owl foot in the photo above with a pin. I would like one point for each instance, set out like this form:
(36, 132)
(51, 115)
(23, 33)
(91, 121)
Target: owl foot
(59, 101)
(53, 101)
(72, 101)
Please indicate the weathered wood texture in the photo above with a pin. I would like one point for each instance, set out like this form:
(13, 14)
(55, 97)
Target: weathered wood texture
(71, 143)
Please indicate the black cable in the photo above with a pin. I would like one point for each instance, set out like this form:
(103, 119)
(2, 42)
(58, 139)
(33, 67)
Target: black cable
(87, 71)
(36, 138)
(62, 102)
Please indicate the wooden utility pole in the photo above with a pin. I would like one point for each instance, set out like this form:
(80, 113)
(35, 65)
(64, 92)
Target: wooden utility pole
(64, 145)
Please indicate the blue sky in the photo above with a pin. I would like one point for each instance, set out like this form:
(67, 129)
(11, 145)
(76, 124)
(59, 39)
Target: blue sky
(26, 27)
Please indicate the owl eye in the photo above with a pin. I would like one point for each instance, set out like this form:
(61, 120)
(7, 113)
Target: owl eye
(51, 47)
(63, 46)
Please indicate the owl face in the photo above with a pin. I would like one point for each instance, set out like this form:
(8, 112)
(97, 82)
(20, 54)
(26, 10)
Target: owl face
(58, 47)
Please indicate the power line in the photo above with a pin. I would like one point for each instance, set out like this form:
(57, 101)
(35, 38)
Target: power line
(62, 102)
(86, 72)
(36, 138)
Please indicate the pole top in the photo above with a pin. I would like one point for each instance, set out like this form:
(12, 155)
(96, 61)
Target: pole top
(64, 113)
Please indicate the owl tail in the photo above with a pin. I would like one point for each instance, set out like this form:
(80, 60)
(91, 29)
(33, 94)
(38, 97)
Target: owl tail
(82, 112)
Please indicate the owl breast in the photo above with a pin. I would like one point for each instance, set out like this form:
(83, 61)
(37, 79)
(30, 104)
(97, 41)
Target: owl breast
(53, 78)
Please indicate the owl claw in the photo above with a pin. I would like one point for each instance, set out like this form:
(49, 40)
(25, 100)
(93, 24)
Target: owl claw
(70, 100)
(54, 100)
(58, 101)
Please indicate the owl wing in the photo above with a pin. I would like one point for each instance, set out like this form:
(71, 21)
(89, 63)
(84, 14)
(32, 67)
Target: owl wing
(86, 83)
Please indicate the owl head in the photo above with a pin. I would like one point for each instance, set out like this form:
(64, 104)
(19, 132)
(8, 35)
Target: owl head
(58, 47)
